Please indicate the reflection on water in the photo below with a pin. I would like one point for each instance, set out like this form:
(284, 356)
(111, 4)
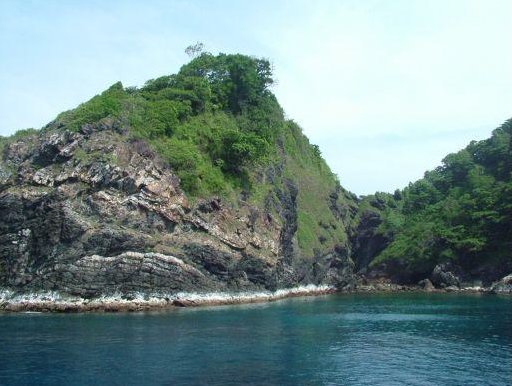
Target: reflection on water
(404, 339)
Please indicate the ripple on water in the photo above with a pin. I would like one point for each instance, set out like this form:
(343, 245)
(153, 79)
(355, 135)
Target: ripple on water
(405, 339)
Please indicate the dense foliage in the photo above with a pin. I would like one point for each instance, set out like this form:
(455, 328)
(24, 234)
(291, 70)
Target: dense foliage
(460, 212)
(223, 132)
(211, 121)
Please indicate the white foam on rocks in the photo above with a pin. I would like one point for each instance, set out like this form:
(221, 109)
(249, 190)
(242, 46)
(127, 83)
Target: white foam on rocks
(56, 301)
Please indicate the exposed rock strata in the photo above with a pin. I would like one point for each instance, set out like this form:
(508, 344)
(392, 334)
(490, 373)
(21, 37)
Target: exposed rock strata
(90, 213)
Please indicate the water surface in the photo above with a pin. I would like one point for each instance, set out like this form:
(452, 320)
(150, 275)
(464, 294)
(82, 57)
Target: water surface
(399, 339)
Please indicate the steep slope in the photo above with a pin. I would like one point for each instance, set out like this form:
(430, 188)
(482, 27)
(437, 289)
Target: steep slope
(194, 182)
(453, 226)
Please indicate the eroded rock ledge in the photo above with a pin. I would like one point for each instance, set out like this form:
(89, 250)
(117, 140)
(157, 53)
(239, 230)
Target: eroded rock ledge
(57, 302)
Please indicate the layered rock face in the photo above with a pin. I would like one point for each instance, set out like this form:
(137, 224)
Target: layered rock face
(91, 213)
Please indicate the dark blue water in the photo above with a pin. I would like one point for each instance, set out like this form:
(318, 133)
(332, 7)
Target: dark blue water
(406, 339)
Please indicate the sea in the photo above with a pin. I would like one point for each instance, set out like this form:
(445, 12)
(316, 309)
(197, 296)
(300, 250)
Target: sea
(342, 339)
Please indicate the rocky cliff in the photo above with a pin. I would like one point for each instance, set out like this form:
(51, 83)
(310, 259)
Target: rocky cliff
(95, 212)
(197, 183)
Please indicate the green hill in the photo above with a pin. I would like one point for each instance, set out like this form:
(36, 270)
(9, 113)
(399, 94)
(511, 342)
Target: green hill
(203, 165)
(460, 213)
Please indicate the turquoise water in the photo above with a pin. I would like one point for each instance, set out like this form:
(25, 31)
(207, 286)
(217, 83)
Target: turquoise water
(405, 339)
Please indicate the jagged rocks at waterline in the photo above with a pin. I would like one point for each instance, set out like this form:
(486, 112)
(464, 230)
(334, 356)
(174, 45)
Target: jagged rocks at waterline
(426, 285)
(503, 286)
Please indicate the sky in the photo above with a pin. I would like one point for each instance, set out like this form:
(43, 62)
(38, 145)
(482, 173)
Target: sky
(385, 88)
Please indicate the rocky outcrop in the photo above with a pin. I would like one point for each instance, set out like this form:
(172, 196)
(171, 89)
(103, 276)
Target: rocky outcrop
(58, 302)
(426, 285)
(503, 286)
(446, 275)
(367, 242)
(92, 212)
(128, 272)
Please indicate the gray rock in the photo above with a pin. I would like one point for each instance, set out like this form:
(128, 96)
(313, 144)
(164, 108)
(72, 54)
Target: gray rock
(503, 286)
(442, 276)
(426, 285)
(452, 288)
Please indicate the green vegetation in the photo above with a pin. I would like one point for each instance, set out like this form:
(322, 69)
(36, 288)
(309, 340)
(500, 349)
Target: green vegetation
(108, 103)
(20, 134)
(461, 211)
(219, 126)
(318, 228)
(213, 121)
(88, 157)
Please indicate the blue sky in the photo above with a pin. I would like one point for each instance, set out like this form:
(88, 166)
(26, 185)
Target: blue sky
(385, 88)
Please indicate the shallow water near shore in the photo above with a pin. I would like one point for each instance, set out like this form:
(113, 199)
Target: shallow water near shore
(345, 339)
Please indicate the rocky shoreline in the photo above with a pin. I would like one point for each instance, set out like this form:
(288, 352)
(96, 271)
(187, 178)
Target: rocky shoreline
(56, 302)
(389, 287)
(500, 287)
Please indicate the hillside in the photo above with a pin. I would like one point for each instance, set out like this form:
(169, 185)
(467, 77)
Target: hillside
(193, 182)
(196, 182)
(458, 218)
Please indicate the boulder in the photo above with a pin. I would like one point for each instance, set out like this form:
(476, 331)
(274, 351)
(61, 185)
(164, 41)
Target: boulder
(503, 286)
(444, 275)
(426, 285)
(451, 288)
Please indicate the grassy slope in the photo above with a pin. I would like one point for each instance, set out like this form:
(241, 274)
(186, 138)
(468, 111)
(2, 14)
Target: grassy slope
(318, 228)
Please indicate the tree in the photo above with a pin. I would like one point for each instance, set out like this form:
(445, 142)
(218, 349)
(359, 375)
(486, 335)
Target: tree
(194, 50)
